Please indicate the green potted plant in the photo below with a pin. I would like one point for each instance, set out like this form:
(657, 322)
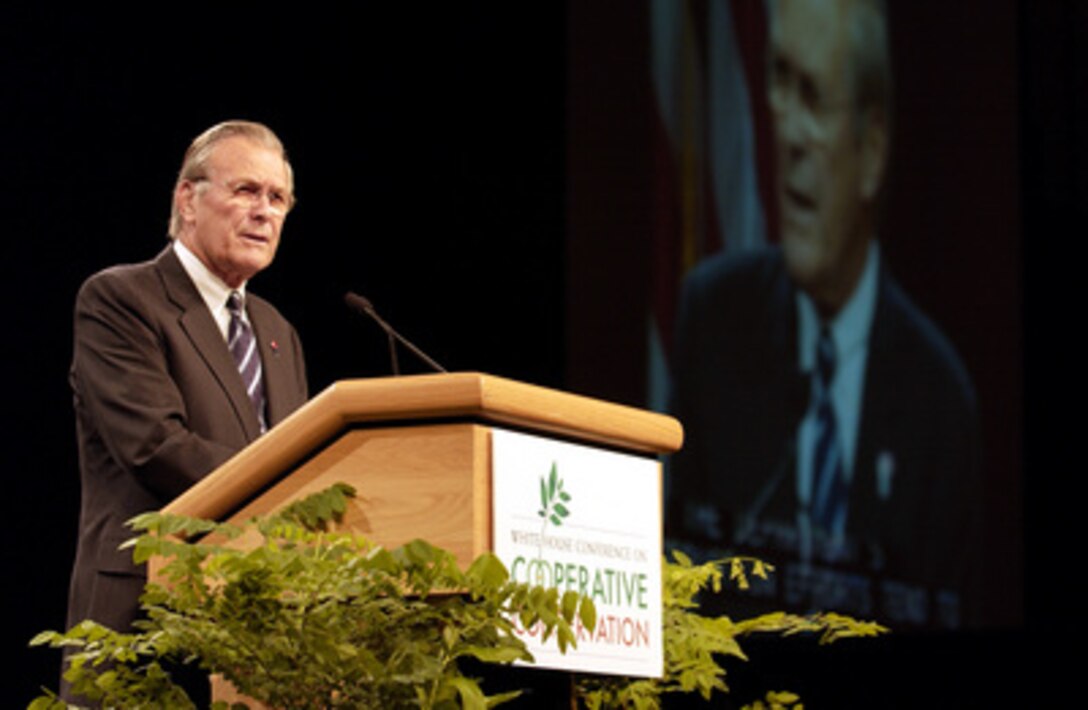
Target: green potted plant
(309, 617)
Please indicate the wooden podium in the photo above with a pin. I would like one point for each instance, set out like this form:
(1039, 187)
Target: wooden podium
(416, 448)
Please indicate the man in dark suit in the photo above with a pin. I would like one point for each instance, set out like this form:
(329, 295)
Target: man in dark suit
(160, 396)
(830, 427)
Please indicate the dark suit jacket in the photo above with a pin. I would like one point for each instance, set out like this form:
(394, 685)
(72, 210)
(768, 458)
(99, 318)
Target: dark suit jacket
(159, 404)
(740, 397)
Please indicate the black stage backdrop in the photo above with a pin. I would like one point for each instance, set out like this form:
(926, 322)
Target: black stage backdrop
(428, 150)
(469, 170)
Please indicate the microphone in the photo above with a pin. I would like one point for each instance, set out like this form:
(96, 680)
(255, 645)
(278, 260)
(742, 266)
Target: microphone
(798, 395)
(363, 305)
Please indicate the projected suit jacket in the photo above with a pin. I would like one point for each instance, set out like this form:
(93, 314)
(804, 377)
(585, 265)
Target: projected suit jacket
(159, 404)
(913, 518)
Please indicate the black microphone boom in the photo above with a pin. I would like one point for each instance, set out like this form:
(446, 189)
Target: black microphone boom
(364, 306)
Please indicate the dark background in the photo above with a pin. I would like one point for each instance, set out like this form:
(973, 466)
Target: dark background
(481, 173)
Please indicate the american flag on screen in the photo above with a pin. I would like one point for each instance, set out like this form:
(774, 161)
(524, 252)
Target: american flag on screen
(712, 147)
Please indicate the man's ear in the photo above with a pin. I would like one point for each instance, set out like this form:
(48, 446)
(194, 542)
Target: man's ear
(185, 200)
(874, 154)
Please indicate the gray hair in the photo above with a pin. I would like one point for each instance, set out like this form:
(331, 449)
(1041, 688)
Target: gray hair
(868, 66)
(194, 165)
(870, 59)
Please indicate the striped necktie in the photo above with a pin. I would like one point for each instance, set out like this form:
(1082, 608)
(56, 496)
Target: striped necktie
(829, 492)
(243, 346)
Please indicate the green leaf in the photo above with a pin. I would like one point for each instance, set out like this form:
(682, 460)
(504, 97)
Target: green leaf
(46, 703)
(380, 559)
(496, 654)
(488, 570)
(472, 698)
(587, 613)
(316, 511)
(45, 638)
(500, 698)
(450, 636)
(682, 559)
(569, 604)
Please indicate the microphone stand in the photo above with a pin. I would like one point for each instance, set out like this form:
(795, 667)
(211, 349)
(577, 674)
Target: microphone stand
(363, 305)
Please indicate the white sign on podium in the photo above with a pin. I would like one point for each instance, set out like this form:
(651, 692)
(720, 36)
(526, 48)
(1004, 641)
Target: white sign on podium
(585, 519)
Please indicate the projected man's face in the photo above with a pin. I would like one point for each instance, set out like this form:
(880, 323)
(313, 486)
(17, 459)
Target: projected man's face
(819, 152)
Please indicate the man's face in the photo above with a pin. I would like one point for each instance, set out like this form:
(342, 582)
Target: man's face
(819, 154)
(231, 219)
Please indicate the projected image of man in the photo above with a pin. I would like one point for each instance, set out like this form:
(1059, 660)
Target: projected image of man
(830, 425)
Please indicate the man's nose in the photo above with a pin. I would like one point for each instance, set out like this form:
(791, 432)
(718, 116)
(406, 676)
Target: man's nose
(261, 208)
(790, 131)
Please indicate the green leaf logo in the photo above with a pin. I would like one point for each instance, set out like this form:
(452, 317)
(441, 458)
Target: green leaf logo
(553, 499)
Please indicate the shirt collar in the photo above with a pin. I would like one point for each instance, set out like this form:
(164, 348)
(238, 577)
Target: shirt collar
(851, 326)
(212, 288)
(213, 291)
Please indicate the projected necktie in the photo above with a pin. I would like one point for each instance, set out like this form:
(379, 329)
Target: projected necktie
(243, 346)
(829, 486)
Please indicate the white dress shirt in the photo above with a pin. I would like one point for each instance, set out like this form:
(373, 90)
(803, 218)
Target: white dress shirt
(212, 288)
(850, 330)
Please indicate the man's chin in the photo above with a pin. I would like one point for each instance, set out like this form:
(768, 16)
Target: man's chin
(241, 272)
(256, 259)
(804, 260)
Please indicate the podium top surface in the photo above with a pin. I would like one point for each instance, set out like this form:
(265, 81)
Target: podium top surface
(466, 396)
(498, 400)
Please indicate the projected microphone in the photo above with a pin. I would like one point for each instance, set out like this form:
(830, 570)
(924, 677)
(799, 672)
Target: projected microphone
(797, 399)
(363, 305)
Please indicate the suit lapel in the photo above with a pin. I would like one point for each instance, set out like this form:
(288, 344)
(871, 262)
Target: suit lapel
(271, 350)
(782, 317)
(874, 461)
(207, 341)
(785, 387)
